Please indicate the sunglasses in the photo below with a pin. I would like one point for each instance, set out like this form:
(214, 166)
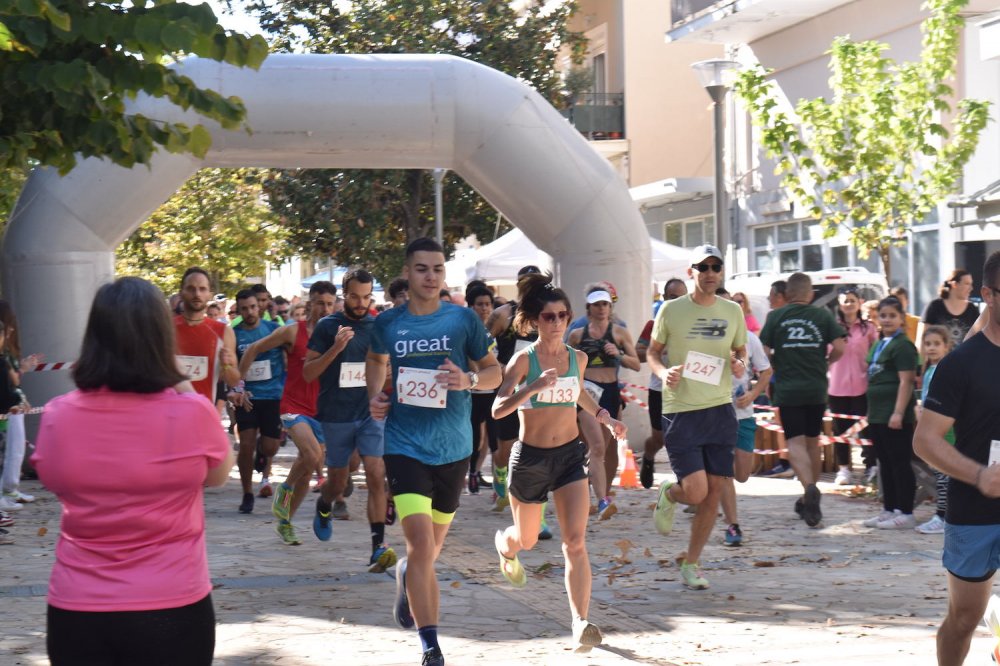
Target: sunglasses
(702, 268)
(552, 317)
(282, 313)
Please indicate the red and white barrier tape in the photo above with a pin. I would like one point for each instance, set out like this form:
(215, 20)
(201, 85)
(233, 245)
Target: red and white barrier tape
(48, 367)
(625, 393)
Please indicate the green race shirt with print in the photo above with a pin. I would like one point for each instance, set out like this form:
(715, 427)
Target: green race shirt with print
(683, 326)
(798, 336)
(897, 356)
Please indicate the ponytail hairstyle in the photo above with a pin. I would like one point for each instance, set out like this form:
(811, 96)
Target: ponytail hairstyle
(956, 276)
(534, 292)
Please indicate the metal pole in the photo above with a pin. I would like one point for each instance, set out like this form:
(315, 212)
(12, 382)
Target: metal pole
(718, 94)
(439, 205)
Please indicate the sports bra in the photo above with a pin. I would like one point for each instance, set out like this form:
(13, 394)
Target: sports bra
(565, 391)
(594, 347)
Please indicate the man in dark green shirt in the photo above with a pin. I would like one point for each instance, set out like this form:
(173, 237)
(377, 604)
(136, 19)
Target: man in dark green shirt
(797, 337)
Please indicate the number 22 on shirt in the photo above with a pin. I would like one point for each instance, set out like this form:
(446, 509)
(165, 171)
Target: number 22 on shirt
(419, 387)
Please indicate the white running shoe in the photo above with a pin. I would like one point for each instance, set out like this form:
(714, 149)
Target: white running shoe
(844, 477)
(7, 504)
(875, 520)
(18, 496)
(900, 521)
(933, 526)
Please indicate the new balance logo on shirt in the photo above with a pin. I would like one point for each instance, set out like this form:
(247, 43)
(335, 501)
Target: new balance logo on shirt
(708, 328)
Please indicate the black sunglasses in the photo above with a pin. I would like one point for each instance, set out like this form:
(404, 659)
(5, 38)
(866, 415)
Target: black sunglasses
(701, 268)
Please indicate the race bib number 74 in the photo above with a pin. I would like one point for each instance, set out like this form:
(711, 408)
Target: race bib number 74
(419, 387)
(703, 368)
(194, 368)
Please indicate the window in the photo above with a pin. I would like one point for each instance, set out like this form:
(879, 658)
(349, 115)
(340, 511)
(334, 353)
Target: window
(839, 257)
(690, 232)
(600, 75)
(794, 246)
(812, 257)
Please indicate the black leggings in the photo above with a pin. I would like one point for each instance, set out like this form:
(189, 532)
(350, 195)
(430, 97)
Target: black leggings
(851, 404)
(182, 636)
(894, 449)
(482, 412)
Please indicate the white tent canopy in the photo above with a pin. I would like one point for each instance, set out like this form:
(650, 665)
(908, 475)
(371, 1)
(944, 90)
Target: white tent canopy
(500, 260)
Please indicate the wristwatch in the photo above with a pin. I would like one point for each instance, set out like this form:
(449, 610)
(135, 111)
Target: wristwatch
(473, 379)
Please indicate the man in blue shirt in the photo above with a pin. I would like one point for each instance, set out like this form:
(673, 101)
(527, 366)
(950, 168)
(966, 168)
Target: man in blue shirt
(261, 413)
(439, 351)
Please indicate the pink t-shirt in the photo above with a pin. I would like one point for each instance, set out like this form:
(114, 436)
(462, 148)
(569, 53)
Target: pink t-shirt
(849, 375)
(129, 469)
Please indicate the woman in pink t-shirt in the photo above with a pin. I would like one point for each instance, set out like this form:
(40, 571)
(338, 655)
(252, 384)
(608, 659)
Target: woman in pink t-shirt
(128, 454)
(849, 380)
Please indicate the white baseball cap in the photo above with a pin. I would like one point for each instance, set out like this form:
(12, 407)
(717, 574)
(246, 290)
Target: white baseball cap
(703, 252)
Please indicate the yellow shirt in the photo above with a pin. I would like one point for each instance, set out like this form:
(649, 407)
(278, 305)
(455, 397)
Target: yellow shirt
(684, 327)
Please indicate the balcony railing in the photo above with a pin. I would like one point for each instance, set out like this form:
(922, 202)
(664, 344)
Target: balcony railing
(682, 11)
(598, 116)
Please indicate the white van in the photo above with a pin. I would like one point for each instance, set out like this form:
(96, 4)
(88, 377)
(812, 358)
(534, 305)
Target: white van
(827, 285)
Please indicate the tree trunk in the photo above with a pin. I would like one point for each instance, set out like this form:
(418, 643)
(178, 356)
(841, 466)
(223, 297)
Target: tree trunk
(411, 208)
(883, 253)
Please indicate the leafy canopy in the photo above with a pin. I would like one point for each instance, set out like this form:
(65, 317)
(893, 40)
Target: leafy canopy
(217, 221)
(68, 67)
(877, 157)
(367, 216)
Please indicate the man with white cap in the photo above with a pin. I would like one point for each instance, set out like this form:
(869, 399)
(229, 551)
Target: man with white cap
(702, 333)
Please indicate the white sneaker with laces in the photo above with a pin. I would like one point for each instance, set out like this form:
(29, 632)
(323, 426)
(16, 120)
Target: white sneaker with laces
(900, 521)
(933, 526)
(881, 517)
(7, 504)
(844, 477)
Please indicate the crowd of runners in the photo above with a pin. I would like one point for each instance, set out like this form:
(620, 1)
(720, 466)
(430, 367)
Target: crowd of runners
(421, 391)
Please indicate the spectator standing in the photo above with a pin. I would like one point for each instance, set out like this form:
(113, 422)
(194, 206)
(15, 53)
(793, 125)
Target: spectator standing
(952, 309)
(892, 365)
(130, 583)
(849, 380)
(743, 301)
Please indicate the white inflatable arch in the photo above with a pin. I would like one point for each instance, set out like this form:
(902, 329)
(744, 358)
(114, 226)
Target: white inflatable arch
(333, 111)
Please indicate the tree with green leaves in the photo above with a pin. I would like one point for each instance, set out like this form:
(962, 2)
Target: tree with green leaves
(367, 216)
(67, 69)
(877, 157)
(218, 221)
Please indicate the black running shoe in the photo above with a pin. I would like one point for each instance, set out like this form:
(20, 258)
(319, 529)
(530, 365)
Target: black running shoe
(810, 508)
(646, 473)
(473, 484)
(246, 506)
(433, 657)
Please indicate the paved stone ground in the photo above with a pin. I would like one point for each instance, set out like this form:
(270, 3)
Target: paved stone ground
(836, 595)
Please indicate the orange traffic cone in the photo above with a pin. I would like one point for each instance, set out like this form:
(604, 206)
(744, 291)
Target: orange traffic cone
(630, 475)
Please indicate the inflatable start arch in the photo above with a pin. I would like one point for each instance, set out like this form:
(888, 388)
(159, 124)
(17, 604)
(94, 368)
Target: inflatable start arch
(333, 111)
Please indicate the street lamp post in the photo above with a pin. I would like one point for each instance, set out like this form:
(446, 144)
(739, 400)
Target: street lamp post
(714, 76)
(439, 205)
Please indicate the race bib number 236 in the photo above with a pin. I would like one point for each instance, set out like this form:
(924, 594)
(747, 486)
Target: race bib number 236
(419, 387)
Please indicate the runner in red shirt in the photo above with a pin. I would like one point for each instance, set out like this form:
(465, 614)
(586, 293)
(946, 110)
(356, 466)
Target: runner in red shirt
(206, 349)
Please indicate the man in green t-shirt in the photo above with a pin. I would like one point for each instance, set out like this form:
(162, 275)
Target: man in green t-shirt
(797, 336)
(701, 332)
